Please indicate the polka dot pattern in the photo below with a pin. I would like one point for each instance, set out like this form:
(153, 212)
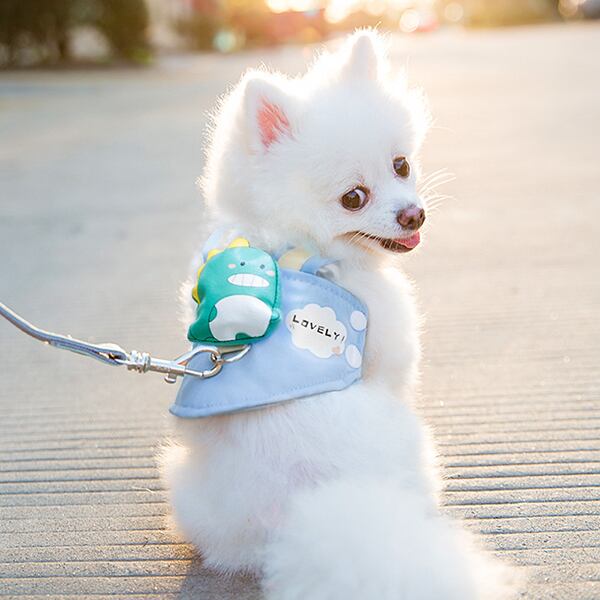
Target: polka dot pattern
(353, 356)
(358, 320)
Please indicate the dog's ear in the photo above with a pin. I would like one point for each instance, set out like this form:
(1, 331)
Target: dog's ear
(267, 112)
(364, 52)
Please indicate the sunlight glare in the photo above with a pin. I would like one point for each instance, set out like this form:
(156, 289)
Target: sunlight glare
(454, 12)
(410, 20)
(376, 7)
(279, 6)
(338, 10)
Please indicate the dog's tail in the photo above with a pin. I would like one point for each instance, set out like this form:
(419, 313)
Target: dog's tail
(351, 540)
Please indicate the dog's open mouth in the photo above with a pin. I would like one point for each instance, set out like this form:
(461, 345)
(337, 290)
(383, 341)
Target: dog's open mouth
(394, 244)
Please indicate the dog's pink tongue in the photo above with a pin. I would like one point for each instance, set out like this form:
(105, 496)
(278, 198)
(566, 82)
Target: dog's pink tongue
(410, 242)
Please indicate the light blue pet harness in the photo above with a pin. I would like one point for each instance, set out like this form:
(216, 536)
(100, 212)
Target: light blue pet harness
(317, 347)
(268, 334)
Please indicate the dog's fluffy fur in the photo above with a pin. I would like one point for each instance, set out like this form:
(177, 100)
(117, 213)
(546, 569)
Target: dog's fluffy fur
(331, 497)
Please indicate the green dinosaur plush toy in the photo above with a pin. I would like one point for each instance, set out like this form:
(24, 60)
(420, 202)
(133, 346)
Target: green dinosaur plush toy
(238, 296)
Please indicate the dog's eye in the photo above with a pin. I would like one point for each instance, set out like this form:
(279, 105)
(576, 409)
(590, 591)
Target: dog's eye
(401, 166)
(355, 199)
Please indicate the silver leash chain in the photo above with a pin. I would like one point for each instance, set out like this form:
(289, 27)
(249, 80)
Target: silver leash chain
(141, 362)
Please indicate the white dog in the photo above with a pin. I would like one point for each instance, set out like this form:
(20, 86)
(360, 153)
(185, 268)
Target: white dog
(330, 497)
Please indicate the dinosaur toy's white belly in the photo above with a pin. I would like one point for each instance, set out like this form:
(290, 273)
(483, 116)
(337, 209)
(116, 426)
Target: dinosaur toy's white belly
(240, 314)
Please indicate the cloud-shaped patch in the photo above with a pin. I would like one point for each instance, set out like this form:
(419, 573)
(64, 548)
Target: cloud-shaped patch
(316, 328)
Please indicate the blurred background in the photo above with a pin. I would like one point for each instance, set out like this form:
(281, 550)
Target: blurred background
(102, 108)
(62, 32)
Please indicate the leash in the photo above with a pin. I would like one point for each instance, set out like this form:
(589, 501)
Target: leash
(141, 362)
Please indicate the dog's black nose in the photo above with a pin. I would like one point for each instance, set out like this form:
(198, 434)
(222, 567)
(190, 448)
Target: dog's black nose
(411, 217)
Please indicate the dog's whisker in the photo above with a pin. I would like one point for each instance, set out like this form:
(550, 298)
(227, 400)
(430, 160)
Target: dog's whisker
(429, 192)
(436, 172)
(436, 175)
(436, 197)
(440, 173)
(443, 178)
(436, 201)
(434, 184)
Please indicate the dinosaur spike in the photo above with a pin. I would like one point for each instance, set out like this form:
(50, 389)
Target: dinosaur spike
(213, 252)
(239, 242)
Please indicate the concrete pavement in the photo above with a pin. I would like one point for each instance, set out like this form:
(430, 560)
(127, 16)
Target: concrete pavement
(97, 222)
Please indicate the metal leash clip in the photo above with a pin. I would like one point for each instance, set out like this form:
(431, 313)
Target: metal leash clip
(143, 362)
(140, 362)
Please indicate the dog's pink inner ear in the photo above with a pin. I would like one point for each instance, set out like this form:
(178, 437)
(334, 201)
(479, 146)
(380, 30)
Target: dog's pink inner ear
(272, 123)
